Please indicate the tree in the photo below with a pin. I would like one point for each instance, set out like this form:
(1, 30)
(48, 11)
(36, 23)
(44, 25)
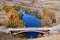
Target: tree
(48, 15)
(13, 20)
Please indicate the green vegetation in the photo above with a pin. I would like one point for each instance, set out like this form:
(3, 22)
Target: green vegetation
(39, 16)
(19, 35)
(40, 35)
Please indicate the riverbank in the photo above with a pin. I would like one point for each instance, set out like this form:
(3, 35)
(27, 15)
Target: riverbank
(52, 37)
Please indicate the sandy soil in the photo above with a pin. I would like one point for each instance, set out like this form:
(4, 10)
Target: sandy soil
(53, 37)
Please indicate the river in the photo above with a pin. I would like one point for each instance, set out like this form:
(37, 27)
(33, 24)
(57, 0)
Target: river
(31, 21)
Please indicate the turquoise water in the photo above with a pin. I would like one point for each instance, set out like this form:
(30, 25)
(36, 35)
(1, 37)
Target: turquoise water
(31, 20)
